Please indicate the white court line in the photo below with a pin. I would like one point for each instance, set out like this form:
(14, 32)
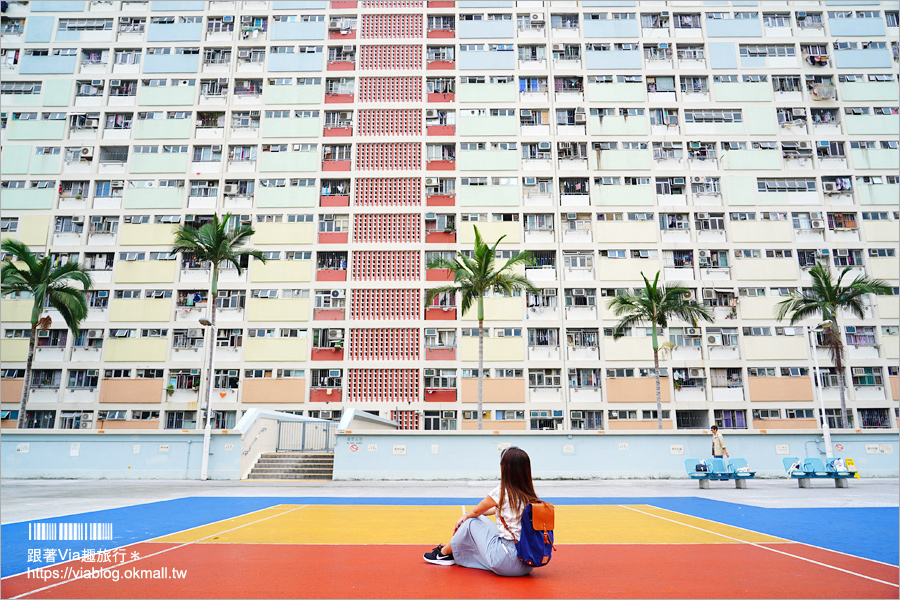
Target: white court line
(53, 585)
(815, 562)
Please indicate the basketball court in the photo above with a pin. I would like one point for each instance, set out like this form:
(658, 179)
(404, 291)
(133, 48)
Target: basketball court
(330, 547)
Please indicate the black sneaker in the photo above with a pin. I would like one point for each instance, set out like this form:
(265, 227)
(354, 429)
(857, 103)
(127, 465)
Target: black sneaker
(436, 558)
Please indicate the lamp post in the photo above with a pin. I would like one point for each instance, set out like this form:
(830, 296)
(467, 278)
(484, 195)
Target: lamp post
(817, 377)
(207, 431)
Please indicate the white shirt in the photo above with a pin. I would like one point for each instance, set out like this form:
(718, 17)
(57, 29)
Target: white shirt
(513, 520)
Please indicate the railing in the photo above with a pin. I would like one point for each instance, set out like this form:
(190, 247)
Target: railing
(306, 436)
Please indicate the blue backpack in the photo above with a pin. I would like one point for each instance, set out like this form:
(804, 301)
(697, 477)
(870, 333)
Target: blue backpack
(535, 541)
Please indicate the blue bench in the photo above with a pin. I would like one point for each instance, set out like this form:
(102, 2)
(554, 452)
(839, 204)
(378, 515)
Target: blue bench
(717, 470)
(807, 469)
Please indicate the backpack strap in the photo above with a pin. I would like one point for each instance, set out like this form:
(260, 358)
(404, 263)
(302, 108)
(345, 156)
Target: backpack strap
(502, 520)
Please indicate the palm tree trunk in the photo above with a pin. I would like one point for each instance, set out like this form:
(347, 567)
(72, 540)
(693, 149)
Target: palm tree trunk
(209, 372)
(845, 422)
(480, 368)
(838, 359)
(26, 386)
(658, 396)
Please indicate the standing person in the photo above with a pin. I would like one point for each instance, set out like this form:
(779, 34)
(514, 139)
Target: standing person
(479, 543)
(718, 443)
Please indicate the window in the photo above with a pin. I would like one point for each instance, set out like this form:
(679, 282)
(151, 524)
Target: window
(544, 378)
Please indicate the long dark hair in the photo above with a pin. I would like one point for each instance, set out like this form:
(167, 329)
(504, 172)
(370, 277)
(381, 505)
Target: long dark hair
(515, 479)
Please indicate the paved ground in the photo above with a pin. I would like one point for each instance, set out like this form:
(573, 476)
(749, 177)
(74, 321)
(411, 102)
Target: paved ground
(41, 499)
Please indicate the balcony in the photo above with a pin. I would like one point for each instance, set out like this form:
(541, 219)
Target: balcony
(331, 353)
(440, 353)
(320, 394)
(439, 395)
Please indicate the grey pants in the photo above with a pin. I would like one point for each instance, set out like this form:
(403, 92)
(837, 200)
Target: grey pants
(477, 545)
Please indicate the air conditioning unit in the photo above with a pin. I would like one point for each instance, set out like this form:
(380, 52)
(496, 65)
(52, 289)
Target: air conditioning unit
(335, 334)
(243, 54)
(431, 181)
(92, 123)
(85, 424)
(798, 112)
(78, 219)
(216, 148)
(117, 183)
(87, 152)
(571, 216)
(804, 145)
(93, 334)
(328, 217)
(709, 294)
(697, 374)
(228, 19)
(536, 18)
(43, 333)
(195, 333)
(817, 224)
(559, 47)
(431, 332)
(245, 219)
(223, 80)
(230, 189)
(842, 252)
(678, 181)
(829, 187)
(543, 145)
(702, 215)
(338, 294)
(580, 118)
(525, 112)
(431, 113)
(703, 253)
(578, 292)
(430, 216)
(530, 181)
(692, 331)
(714, 339)
(254, 113)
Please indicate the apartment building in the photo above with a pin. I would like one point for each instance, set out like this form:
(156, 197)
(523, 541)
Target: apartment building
(728, 145)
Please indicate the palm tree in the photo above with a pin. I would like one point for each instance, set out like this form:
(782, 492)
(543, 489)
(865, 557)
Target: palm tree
(216, 243)
(48, 285)
(656, 304)
(826, 298)
(472, 278)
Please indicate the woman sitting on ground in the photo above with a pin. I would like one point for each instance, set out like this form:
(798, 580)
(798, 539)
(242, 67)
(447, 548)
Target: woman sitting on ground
(479, 543)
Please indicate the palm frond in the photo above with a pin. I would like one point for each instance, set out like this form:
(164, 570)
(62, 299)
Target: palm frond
(71, 304)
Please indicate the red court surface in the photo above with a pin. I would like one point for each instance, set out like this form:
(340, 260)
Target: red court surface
(395, 571)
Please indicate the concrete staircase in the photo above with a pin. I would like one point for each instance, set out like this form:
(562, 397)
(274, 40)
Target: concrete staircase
(317, 466)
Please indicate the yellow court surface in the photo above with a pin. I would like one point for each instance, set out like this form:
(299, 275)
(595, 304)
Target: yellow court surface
(351, 524)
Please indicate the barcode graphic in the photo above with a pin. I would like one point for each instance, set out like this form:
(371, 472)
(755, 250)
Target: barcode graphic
(70, 531)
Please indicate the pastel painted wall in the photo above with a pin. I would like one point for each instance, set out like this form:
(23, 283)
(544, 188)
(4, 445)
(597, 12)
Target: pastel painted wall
(470, 456)
(117, 455)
